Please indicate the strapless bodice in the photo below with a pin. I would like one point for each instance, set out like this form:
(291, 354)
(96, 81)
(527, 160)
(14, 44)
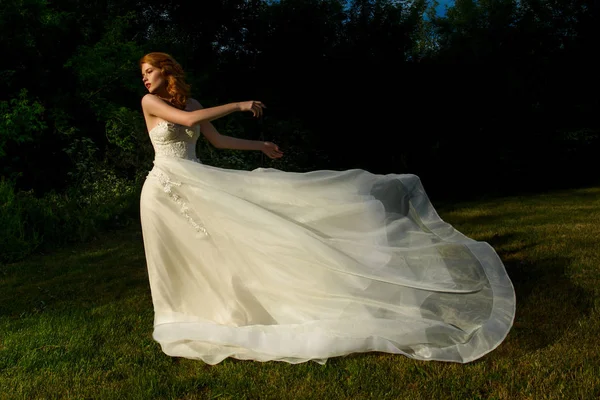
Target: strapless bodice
(174, 140)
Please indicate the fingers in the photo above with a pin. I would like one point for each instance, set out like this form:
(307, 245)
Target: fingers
(273, 150)
(257, 108)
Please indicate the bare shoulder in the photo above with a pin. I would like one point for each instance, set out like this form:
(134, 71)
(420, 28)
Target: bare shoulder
(148, 99)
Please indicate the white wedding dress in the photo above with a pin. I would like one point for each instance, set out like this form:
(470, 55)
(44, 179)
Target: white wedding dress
(271, 265)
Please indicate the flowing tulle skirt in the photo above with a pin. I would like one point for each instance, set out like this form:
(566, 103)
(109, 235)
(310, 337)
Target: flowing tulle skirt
(271, 265)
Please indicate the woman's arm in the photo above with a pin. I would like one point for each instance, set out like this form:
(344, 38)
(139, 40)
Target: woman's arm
(229, 142)
(152, 105)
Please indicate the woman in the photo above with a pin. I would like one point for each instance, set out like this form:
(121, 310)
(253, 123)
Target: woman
(271, 265)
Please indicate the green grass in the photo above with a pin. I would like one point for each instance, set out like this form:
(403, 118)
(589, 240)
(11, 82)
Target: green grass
(77, 323)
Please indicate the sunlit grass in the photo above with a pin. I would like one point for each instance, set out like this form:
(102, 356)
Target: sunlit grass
(77, 323)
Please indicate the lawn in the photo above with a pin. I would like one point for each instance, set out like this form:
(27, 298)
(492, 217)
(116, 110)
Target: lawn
(76, 323)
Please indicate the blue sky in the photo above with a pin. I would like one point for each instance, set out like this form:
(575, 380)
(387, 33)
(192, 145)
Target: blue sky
(441, 9)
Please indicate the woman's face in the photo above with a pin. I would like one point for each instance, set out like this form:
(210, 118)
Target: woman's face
(152, 78)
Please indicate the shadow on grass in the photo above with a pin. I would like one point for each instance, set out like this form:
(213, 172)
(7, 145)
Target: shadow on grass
(97, 273)
(549, 304)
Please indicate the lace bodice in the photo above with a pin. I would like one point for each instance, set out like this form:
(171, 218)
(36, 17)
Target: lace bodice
(174, 140)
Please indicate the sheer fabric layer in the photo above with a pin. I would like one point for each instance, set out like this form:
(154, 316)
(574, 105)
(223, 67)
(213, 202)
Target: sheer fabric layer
(270, 265)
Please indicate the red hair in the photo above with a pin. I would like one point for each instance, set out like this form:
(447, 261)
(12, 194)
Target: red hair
(173, 74)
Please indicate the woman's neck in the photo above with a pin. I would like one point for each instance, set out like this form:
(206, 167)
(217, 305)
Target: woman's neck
(163, 94)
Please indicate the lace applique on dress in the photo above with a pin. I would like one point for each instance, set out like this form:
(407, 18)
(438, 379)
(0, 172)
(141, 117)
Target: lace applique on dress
(173, 140)
(168, 184)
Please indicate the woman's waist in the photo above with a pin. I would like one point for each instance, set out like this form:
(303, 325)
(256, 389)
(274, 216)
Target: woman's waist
(172, 165)
(176, 158)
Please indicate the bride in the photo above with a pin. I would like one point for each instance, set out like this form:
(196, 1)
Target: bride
(272, 265)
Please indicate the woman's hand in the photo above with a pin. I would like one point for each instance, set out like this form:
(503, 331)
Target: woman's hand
(271, 150)
(256, 107)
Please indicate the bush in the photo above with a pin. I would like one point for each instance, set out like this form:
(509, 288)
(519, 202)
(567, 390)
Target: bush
(16, 239)
(31, 223)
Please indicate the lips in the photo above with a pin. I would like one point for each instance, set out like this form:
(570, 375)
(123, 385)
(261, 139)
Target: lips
(148, 85)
